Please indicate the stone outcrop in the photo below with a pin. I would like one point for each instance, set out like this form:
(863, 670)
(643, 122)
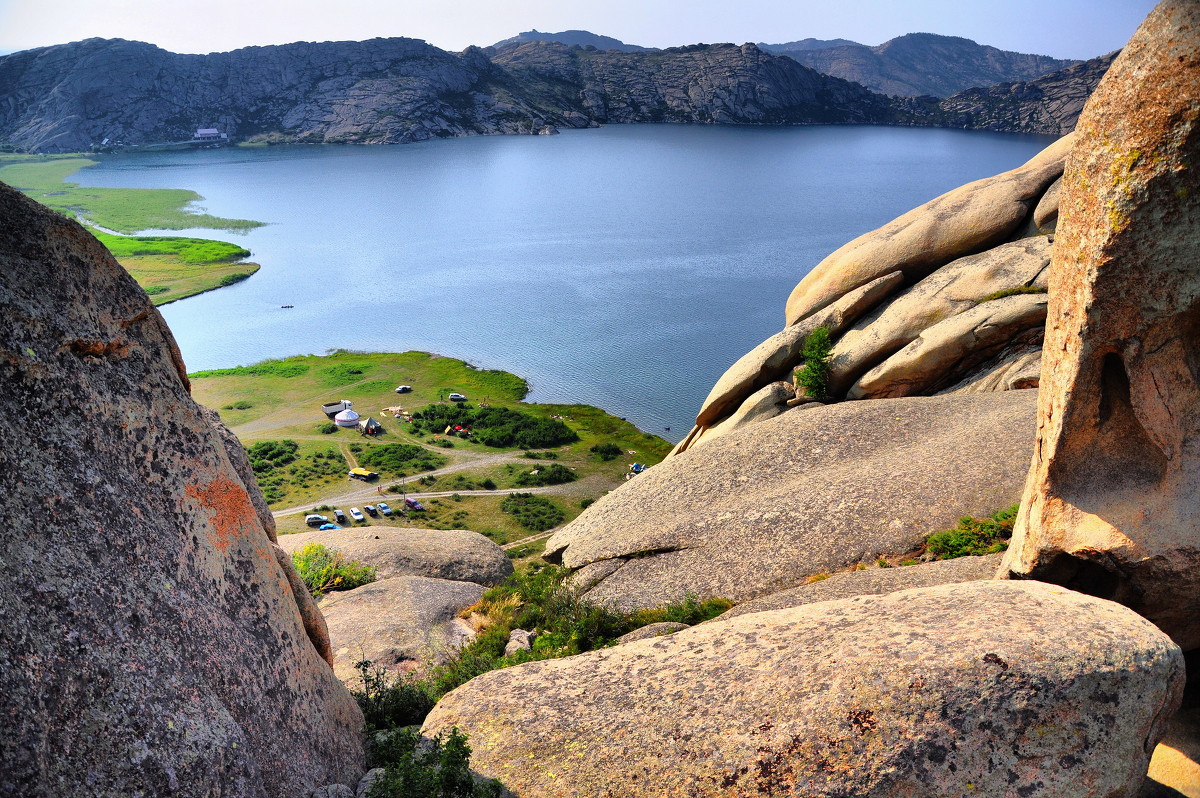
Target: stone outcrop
(892, 301)
(811, 491)
(453, 554)
(964, 221)
(873, 582)
(152, 643)
(943, 352)
(919, 64)
(1036, 690)
(402, 624)
(955, 288)
(1112, 505)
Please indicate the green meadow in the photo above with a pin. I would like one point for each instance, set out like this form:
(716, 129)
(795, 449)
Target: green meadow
(167, 267)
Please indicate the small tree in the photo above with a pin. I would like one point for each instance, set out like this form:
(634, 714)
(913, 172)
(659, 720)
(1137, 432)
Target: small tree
(813, 376)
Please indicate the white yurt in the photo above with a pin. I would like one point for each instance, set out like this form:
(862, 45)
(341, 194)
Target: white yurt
(346, 418)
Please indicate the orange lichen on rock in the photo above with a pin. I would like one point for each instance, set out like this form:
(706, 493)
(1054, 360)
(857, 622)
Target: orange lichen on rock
(231, 510)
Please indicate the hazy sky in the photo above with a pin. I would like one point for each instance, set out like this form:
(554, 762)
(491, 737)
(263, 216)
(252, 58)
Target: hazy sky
(1061, 28)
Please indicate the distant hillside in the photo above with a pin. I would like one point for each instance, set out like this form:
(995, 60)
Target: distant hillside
(804, 45)
(385, 91)
(925, 64)
(582, 38)
(1049, 104)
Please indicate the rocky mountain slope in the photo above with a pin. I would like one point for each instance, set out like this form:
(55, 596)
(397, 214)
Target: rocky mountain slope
(803, 45)
(923, 64)
(1049, 104)
(383, 91)
(582, 38)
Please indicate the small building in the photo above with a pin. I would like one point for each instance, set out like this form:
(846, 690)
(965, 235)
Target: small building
(209, 134)
(333, 408)
(369, 426)
(347, 418)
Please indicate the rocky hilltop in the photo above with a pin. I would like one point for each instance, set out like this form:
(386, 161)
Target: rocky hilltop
(921, 64)
(1049, 104)
(582, 38)
(385, 91)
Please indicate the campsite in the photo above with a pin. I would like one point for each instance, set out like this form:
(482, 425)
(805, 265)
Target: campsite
(286, 412)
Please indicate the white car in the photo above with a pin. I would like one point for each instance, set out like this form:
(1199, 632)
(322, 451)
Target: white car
(457, 397)
(356, 514)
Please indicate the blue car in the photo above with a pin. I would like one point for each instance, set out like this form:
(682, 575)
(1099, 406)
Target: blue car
(330, 526)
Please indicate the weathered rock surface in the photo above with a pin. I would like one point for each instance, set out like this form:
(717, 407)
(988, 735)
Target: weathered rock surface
(1049, 104)
(955, 288)
(918, 64)
(808, 492)
(873, 582)
(1016, 368)
(453, 554)
(962, 222)
(945, 352)
(151, 644)
(1112, 505)
(765, 403)
(402, 624)
(982, 688)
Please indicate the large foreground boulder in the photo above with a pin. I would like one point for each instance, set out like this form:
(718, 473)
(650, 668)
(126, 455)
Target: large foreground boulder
(454, 554)
(810, 491)
(987, 688)
(152, 641)
(1112, 506)
(403, 624)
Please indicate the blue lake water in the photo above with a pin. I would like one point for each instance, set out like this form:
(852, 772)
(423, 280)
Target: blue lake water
(625, 267)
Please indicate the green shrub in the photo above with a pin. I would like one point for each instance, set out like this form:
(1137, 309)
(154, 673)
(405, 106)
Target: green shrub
(498, 427)
(488, 484)
(974, 536)
(324, 570)
(533, 512)
(400, 456)
(813, 376)
(607, 451)
(586, 503)
(238, 405)
(328, 428)
(418, 768)
(553, 474)
(154, 290)
(388, 703)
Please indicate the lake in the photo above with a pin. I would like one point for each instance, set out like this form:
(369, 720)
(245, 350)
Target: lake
(625, 267)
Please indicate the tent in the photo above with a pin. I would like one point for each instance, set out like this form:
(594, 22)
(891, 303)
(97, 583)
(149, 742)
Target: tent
(369, 426)
(346, 418)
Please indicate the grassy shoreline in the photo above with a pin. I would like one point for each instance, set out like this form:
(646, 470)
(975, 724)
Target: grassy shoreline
(169, 268)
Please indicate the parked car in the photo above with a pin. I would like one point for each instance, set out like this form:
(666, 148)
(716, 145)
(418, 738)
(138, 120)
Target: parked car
(371, 511)
(315, 520)
(339, 516)
(404, 389)
(414, 504)
(383, 508)
(356, 514)
(457, 397)
(329, 526)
